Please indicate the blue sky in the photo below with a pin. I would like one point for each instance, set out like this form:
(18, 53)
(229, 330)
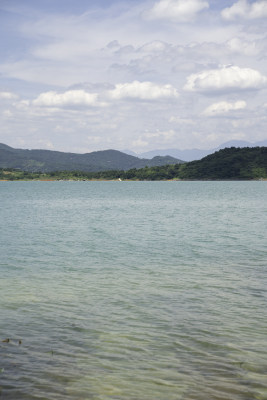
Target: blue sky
(141, 75)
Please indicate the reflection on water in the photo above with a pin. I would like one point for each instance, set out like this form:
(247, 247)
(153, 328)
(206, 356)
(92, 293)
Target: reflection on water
(131, 290)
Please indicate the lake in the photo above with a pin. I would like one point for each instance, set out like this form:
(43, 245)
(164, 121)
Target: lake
(133, 290)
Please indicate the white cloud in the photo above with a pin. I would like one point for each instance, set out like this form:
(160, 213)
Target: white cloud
(143, 91)
(242, 9)
(158, 137)
(71, 98)
(46, 144)
(229, 78)
(241, 46)
(165, 135)
(223, 107)
(22, 105)
(139, 143)
(8, 96)
(182, 121)
(156, 46)
(176, 10)
(7, 113)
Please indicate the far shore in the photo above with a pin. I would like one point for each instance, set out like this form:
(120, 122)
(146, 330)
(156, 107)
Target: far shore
(132, 180)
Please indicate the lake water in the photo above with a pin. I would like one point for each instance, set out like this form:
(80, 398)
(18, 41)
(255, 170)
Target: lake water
(133, 290)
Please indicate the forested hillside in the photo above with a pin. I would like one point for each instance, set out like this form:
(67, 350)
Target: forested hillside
(229, 163)
(47, 160)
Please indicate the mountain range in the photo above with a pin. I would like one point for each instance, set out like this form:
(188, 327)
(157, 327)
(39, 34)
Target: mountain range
(227, 164)
(106, 160)
(195, 154)
(47, 160)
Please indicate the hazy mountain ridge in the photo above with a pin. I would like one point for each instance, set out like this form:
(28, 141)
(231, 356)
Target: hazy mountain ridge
(196, 154)
(48, 160)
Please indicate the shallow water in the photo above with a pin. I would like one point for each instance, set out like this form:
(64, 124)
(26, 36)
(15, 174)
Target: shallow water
(133, 290)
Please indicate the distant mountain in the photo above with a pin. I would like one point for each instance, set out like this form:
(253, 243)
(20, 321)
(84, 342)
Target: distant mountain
(196, 154)
(186, 155)
(47, 160)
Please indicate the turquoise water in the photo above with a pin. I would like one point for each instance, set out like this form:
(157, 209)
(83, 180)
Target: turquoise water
(133, 290)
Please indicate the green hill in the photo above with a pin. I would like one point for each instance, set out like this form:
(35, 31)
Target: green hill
(230, 163)
(227, 164)
(47, 160)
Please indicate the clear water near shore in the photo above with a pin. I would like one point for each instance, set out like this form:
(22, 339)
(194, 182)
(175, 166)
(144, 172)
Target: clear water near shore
(133, 290)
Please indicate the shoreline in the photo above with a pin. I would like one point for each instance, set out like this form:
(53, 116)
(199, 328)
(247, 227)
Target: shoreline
(133, 180)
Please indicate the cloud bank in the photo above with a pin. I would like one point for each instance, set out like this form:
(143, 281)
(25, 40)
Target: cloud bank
(8, 96)
(229, 78)
(132, 75)
(224, 107)
(68, 99)
(143, 91)
(243, 9)
(176, 10)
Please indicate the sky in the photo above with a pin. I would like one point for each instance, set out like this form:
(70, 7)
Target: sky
(88, 75)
